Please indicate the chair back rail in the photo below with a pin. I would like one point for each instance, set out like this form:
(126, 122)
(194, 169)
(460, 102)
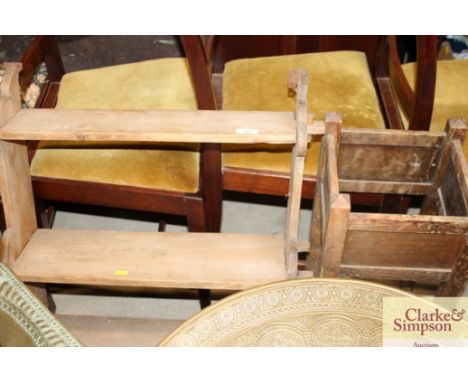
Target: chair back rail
(43, 49)
(210, 175)
(417, 104)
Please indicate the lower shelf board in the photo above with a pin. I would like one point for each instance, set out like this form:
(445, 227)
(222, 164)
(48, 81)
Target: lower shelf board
(118, 331)
(152, 259)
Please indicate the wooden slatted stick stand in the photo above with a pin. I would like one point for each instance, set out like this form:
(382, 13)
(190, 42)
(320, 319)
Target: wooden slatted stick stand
(144, 259)
(429, 248)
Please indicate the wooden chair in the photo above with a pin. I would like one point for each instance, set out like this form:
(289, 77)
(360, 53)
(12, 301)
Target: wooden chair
(339, 81)
(430, 248)
(298, 312)
(176, 178)
(24, 321)
(424, 94)
(410, 98)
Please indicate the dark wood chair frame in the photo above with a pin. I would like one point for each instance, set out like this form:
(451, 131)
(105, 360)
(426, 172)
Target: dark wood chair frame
(202, 209)
(393, 85)
(418, 104)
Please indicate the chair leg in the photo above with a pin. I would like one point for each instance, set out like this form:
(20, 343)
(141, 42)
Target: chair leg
(212, 191)
(397, 204)
(45, 215)
(51, 211)
(2, 219)
(161, 223)
(204, 296)
(195, 212)
(196, 221)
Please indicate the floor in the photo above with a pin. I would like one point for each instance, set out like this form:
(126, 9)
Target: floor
(161, 310)
(88, 52)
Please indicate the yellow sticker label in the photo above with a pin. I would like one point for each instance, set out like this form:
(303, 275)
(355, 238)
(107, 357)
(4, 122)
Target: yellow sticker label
(120, 272)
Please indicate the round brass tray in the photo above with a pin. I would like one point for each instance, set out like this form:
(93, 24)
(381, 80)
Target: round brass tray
(298, 312)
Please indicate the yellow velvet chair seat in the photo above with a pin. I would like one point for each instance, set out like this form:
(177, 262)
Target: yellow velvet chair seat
(338, 81)
(163, 84)
(451, 93)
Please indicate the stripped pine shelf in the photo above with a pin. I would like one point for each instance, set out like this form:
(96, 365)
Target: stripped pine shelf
(146, 259)
(154, 126)
(152, 259)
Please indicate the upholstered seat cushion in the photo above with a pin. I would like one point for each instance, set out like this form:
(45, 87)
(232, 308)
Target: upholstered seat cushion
(451, 93)
(163, 84)
(338, 81)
